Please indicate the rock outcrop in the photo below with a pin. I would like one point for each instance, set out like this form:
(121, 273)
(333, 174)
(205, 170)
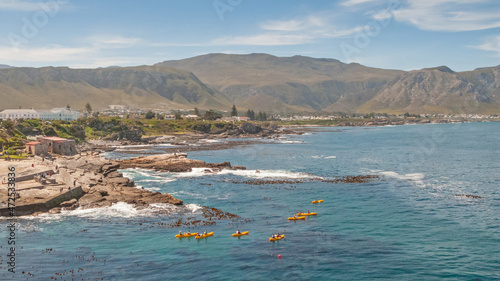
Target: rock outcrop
(171, 163)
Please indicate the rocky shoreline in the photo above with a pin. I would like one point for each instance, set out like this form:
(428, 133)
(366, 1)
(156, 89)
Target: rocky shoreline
(103, 185)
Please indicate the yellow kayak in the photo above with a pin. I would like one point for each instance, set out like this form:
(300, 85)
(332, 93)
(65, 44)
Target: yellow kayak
(306, 214)
(205, 235)
(240, 234)
(297, 218)
(185, 235)
(317, 201)
(277, 238)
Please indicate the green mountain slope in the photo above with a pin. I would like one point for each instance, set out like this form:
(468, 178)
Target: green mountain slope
(143, 86)
(259, 82)
(294, 83)
(440, 90)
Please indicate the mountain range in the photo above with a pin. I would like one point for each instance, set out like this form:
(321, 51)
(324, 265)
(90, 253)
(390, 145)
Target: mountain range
(264, 82)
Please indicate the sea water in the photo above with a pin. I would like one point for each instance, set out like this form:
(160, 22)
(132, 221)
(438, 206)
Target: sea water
(414, 223)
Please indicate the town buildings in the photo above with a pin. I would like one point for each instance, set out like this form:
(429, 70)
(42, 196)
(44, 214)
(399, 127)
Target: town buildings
(65, 114)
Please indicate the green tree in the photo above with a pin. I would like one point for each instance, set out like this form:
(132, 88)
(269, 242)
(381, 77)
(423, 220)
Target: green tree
(8, 124)
(149, 115)
(196, 111)
(234, 112)
(178, 115)
(68, 107)
(211, 115)
(88, 108)
(260, 116)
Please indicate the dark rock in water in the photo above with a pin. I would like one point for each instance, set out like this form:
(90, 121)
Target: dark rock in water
(170, 163)
(238, 168)
(56, 210)
(469, 196)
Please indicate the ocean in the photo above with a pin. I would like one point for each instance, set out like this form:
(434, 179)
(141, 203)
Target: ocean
(433, 214)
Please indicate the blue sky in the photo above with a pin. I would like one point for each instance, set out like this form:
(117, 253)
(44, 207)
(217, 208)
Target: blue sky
(395, 34)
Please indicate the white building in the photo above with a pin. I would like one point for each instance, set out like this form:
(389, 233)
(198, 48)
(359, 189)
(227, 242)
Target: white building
(64, 114)
(13, 114)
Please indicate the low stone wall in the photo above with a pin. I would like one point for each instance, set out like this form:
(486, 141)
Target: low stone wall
(30, 176)
(75, 193)
(29, 209)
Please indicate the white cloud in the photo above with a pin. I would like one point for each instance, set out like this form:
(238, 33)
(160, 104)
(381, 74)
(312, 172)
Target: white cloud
(114, 41)
(17, 5)
(357, 2)
(266, 39)
(450, 15)
(50, 54)
(492, 45)
(382, 15)
(297, 31)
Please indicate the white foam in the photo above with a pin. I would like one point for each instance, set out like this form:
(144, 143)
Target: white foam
(324, 157)
(193, 207)
(267, 174)
(415, 177)
(183, 192)
(141, 146)
(209, 140)
(157, 176)
(290, 141)
(162, 180)
(117, 210)
(195, 172)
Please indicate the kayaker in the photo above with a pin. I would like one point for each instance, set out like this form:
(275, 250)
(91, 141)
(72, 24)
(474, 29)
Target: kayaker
(205, 233)
(273, 236)
(308, 212)
(188, 233)
(238, 232)
(180, 232)
(294, 216)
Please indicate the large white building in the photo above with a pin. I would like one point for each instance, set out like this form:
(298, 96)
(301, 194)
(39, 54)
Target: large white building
(64, 114)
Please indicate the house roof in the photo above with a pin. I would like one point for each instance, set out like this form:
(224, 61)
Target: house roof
(55, 138)
(33, 143)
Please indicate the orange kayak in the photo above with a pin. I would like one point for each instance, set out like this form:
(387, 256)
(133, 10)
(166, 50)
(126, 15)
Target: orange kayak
(205, 235)
(185, 235)
(276, 238)
(317, 201)
(240, 234)
(306, 214)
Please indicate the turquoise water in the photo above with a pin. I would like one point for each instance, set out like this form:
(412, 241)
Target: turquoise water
(410, 225)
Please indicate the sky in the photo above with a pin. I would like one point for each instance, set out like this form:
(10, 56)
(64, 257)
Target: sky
(391, 34)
